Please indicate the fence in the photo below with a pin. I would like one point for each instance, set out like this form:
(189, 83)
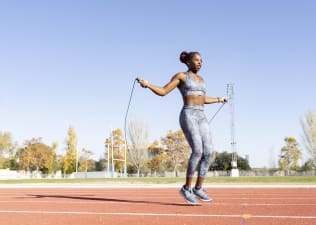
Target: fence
(6, 174)
(242, 173)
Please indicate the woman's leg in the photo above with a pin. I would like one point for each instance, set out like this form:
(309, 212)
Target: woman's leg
(188, 182)
(190, 126)
(205, 161)
(206, 155)
(199, 182)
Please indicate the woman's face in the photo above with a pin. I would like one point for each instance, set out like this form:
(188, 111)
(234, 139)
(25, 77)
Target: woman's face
(195, 63)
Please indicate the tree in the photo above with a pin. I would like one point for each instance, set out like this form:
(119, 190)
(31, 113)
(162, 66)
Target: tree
(4, 162)
(116, 144)
(70, 159)
(7, 145)
(309, 136)
(223, 162)
(100, 165)
(138, 135)
(243, 163)
(177, 149)
(85, 162)
(36, 156)
(308, 165)
(56, 162)
(158, 158)
(290, 155)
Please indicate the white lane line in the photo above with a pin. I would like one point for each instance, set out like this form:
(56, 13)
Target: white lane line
(157, 214)
(281, 198)
(145, 203)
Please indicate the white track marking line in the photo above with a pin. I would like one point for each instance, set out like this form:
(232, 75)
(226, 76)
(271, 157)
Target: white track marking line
(144, 203)
(263, 198)
(155, 214)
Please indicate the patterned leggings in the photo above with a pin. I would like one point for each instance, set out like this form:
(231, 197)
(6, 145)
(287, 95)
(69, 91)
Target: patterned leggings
(196, 130)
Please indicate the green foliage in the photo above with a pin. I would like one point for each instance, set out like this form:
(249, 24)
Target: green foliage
(308, 165)
(85, 163)
(100, 165)
(69, 160)
(157, 158)
(309, 136)
(223, 162)
(4, 162)
(7, 145)
(36, 156)
(243, 164)
(290, 155)
(116, 141)
(131, 169)
(158, 163)
(7, 148)
(176, 148)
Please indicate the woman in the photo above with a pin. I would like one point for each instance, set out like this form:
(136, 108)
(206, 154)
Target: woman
(192, 121)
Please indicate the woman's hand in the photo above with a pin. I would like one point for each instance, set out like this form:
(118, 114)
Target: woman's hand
(222, 100)
(143, 83)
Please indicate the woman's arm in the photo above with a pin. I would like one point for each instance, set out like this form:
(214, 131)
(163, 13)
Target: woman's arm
(162, 91)
(210, 100)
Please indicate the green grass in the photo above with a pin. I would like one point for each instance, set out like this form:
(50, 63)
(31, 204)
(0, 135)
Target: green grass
(290, 179)
(164, 180)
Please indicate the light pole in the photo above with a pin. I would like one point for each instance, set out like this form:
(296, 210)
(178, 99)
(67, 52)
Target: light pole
(230, 95)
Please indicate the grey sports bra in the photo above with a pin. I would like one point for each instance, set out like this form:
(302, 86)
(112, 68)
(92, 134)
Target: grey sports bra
(192, 87)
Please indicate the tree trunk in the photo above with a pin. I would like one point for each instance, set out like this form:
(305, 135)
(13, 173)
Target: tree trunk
(138, 172)
(175, 171)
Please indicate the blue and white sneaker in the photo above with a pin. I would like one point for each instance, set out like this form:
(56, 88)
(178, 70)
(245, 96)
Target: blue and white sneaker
(188, 195)
(200, 193)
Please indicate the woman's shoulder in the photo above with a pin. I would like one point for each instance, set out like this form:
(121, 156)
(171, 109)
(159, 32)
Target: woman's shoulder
(180, 75)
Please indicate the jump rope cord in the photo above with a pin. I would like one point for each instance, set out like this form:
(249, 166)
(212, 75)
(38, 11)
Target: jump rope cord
(219, 109)
(129, 104)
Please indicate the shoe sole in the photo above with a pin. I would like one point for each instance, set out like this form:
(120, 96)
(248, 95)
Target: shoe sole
(203, 200)
(191, 203)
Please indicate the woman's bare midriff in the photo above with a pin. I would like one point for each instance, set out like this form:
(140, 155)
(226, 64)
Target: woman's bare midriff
(194, 100)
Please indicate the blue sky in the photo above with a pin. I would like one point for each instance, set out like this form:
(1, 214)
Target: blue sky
(73, 63)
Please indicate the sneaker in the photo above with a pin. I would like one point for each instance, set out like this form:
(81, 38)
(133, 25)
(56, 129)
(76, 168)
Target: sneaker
(200, 193)
(188, 195)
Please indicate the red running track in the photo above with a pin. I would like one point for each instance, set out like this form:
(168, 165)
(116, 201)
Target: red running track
(156, 206)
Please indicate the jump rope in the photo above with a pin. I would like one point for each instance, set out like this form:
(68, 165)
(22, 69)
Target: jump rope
(129, 104)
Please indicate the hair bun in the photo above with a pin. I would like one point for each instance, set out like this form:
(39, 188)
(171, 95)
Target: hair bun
(184, 56)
